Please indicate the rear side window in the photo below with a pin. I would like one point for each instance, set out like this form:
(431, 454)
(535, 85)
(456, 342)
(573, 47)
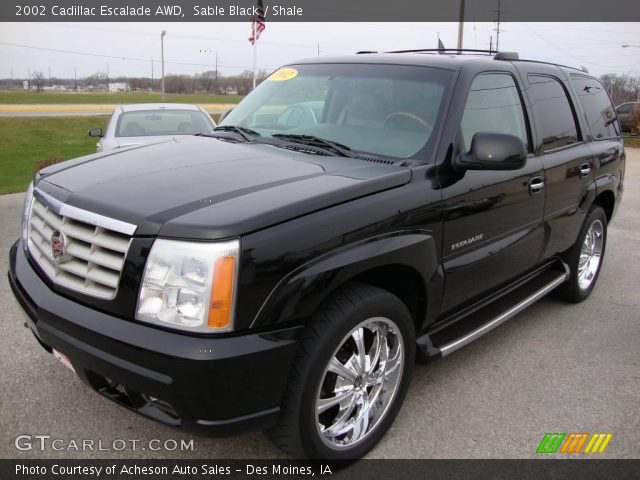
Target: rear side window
(553, 113)
(493, 106)
(597, 107)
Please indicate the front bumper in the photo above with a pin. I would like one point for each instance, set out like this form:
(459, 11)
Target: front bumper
(221, 384)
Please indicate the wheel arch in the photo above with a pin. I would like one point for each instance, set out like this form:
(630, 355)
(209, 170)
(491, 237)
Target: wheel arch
(606, 200)
(404, 263)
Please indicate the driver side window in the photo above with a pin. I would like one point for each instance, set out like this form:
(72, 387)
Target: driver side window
(494, 106)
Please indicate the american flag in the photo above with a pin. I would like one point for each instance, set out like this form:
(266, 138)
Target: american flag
(258, 24)
(440, 44)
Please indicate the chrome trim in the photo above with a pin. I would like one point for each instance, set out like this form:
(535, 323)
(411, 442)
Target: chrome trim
(503, 317)
(585, 170)
(354, 396)
(83, 215)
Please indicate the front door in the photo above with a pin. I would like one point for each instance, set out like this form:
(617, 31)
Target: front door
(492, 219)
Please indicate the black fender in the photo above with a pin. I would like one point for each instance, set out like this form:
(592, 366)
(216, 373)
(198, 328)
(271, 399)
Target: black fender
(297, 296)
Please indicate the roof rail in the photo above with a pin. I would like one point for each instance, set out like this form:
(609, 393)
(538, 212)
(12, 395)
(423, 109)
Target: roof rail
(361, 52)
(444, 50)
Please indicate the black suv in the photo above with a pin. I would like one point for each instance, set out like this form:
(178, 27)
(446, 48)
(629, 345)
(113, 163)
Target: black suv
(350, 216)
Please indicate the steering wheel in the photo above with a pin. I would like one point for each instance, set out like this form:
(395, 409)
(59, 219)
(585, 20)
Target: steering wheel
(307, 113)
(412, 116)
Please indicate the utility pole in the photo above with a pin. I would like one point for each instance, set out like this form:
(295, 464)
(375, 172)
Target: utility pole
(318, 49)
(11, 86)
(498, 29)
(152, 73)
(490, 42)
(49, 77)
(162, 55)
(107, 76)
(28, 80)
(460, 25)
(75, 79)
(215, 80)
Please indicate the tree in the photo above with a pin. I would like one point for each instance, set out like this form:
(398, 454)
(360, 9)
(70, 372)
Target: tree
(37, 79)
(622, 87)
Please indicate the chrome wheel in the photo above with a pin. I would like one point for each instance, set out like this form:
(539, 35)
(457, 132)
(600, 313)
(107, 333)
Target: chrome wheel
(359, 383)
(590, 255)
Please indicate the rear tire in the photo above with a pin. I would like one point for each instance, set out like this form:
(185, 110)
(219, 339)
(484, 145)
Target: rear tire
(350, 376)
(585, 257)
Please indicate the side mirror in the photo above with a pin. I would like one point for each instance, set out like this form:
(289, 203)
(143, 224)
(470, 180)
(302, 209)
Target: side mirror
(95, 132)
(224, 114)
(493, 151)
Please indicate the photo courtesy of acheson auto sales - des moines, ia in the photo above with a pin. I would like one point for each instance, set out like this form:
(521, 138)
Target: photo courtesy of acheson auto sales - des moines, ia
(162, 470)
(285, 270)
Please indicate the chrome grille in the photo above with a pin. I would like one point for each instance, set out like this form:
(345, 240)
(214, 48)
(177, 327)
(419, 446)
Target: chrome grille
(94, 254)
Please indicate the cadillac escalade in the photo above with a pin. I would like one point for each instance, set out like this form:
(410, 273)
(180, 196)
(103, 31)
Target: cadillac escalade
(350, 216)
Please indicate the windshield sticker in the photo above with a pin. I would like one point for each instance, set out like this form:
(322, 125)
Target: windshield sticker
(283, 74)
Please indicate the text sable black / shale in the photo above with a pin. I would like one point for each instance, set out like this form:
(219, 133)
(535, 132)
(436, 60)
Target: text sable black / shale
(315, 11)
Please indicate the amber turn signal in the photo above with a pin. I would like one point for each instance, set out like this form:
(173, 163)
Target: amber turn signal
(222, 292)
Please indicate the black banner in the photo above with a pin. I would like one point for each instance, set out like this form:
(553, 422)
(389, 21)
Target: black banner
(317, 10)
(363, 469)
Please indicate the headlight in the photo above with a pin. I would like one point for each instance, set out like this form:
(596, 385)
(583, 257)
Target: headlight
(190, 285)
(28, 200)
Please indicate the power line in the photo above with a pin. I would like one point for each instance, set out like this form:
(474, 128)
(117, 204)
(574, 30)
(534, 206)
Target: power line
(564, 27)
(118, 57)
(199, 37)
(573, 56)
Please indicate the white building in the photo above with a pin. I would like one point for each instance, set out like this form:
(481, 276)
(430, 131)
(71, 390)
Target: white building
(119, 87)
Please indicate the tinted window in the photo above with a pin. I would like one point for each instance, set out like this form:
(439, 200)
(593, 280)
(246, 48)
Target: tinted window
(493, 105)
(597, 107)
(624, 109)
(162, 122)
(553, 113)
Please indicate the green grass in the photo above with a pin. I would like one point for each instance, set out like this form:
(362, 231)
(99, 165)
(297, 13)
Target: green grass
(23, 97)
(26, 141)
(633, 142)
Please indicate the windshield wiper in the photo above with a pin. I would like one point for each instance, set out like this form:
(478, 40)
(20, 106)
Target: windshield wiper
(314, 141)
(246, 133)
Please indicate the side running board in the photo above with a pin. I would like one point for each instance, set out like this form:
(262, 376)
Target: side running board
(494, 315)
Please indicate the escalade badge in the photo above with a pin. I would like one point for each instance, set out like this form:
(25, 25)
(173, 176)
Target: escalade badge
(58, 247)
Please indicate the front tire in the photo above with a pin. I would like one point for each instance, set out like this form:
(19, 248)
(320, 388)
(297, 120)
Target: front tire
(585, 257)
(350, 377)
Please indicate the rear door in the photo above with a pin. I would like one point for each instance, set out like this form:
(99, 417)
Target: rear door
(492, 219)
(566, 157)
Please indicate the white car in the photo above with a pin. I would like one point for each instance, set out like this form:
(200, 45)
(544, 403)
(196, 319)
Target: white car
(151, 122)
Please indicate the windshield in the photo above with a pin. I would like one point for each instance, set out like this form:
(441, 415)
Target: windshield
(387, 110)
(144, 123)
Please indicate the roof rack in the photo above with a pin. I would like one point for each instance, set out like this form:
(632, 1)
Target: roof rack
(582, 68)
(444, 50)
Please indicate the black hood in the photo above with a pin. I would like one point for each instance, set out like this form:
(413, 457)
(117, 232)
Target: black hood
(208, 188)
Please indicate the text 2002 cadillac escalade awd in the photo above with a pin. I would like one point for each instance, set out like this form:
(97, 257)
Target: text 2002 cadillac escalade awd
(350, 215)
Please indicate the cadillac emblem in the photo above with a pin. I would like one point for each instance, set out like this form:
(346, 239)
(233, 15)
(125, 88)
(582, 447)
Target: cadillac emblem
(58, 246)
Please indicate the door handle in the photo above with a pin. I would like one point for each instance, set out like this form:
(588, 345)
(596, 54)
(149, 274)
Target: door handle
(585, 169)
(536, 185)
